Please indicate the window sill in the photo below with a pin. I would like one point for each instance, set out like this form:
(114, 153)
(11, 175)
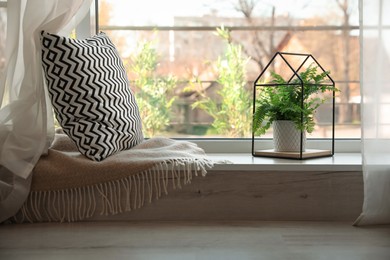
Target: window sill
(246, 162)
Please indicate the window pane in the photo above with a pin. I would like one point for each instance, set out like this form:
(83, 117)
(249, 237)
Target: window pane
(201, 84)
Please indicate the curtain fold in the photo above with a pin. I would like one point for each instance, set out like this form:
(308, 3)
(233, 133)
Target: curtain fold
(375, 91)
(26, 121)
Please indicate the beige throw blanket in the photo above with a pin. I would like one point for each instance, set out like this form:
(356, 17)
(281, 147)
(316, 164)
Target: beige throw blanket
(67, 186)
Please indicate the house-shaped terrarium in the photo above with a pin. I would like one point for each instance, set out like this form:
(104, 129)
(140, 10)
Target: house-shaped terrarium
(293, 100)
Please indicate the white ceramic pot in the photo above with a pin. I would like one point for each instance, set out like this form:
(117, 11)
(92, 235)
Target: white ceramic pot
(287, 138)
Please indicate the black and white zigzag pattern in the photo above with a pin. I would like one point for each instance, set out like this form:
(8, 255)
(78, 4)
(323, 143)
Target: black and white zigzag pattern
(90, 93)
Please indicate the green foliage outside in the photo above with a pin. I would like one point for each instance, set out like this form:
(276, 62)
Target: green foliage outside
(153, 93)
(283, 102)
(232, 112)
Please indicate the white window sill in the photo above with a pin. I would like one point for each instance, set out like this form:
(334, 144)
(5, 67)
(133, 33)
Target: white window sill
(244, 145)
(246, 162)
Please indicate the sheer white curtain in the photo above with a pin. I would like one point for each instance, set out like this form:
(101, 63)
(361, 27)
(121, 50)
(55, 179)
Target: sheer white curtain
(26, 123)
(375, 87)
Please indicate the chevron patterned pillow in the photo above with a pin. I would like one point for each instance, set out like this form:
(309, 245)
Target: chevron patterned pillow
(90, 94)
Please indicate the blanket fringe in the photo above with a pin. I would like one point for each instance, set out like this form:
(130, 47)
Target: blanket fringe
(113, 197)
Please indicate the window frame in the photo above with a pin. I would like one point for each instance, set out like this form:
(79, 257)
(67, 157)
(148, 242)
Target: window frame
(228, 145)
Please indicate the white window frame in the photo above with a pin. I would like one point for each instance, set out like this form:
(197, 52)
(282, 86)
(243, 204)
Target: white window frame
(226, 145)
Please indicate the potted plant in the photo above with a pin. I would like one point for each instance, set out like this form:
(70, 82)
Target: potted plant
(290, 104)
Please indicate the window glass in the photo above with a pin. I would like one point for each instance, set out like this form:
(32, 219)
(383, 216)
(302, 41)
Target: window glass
(192, 64)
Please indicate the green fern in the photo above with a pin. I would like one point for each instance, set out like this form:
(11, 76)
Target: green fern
(283, 102)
